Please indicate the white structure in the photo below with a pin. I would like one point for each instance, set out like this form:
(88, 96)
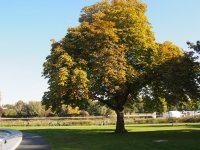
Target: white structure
(176, 114)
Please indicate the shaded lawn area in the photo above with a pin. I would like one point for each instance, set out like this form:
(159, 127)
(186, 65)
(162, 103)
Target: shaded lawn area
(140, 137)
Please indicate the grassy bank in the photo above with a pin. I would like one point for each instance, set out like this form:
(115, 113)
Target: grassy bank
(140, 137)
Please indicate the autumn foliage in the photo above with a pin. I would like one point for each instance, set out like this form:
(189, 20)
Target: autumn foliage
(112, 57)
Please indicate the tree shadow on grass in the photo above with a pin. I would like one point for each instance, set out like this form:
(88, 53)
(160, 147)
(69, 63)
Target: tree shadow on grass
(103, 138)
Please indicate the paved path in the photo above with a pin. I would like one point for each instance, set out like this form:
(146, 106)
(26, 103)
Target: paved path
(32, 141)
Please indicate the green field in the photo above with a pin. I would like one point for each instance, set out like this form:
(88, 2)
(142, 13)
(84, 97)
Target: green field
(139, 137)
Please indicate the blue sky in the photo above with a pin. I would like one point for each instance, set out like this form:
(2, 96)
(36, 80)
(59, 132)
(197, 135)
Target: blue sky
(26, 27)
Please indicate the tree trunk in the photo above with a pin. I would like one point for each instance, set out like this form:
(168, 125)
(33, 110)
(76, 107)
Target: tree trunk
(120, 122)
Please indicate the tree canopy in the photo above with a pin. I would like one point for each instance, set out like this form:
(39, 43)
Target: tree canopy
(112, 57)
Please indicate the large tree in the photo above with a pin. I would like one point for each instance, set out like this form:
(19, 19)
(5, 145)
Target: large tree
(112, 57)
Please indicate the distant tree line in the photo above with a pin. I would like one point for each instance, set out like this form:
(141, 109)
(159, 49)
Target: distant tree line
(22, 109)
(36, 109)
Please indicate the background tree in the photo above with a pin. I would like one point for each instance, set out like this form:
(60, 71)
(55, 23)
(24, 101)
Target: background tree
(191, 105)
(47, 112)
(112, 57)
(21, 108)
(139, 107)
(10, 113)
(94, 109)
(9, 106)
(34, 108)
(69, 111)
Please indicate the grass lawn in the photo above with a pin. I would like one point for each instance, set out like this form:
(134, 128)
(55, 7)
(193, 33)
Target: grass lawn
(139, 137)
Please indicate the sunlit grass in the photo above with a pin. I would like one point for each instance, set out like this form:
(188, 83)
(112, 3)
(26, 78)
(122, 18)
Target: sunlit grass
(140, 137)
